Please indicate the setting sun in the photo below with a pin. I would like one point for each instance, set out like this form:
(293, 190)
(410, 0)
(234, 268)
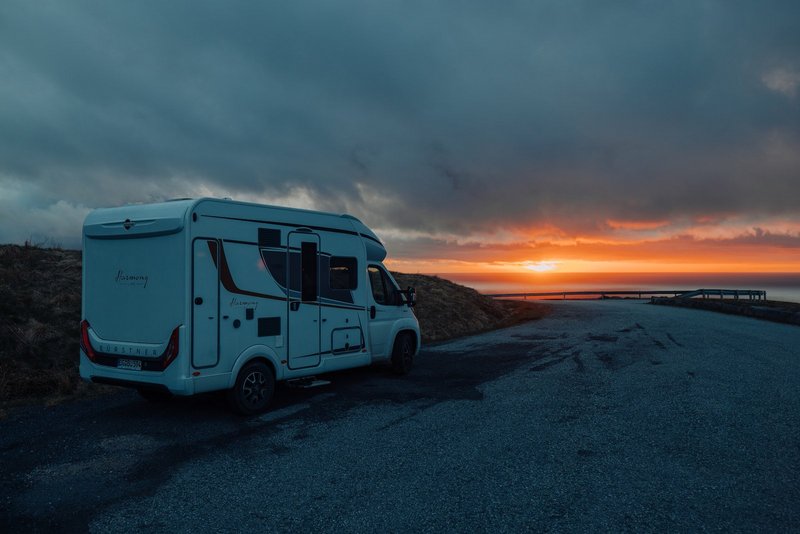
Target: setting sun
(541, 266)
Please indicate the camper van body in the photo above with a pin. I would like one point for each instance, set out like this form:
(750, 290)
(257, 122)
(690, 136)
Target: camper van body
(182, 295)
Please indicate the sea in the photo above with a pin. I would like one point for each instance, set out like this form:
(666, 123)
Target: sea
(779, 286)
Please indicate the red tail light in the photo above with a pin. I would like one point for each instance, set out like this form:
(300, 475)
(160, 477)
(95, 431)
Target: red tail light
(86, 345)
(172, 348)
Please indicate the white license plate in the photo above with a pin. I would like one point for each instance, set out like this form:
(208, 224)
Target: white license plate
(133, 365)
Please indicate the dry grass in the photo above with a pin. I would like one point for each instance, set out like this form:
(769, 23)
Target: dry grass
(447, 310)
(40, 312)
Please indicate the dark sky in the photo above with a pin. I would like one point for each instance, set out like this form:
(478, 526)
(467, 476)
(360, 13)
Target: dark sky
(438, 123)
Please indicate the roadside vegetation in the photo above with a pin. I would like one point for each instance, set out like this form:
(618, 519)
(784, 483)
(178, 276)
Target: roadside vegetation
(447, 310)
(40, 308)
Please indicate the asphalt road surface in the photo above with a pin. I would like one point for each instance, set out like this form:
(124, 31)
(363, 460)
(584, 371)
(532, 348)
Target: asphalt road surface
(604, 416)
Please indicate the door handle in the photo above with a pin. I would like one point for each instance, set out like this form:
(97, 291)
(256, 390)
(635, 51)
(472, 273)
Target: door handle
(198, 301)
(372, 312)
(295, 305)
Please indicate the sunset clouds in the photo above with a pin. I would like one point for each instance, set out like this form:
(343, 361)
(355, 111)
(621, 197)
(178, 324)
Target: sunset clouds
(585, 134)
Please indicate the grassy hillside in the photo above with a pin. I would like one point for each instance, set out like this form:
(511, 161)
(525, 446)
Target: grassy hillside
(40, 306)
(446, 310)
(40, 303)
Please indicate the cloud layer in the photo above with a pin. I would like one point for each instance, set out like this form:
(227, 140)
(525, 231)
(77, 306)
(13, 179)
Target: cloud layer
(426, 119)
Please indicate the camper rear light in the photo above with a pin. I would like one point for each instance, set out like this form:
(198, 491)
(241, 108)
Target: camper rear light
(86, 345)
(172, 348)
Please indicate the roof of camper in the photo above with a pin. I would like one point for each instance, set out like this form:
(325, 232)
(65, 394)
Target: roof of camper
(180, 207)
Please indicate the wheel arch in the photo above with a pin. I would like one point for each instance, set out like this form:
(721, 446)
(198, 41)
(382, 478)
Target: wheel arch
(403, 325)
(414, 334)
(256, 353)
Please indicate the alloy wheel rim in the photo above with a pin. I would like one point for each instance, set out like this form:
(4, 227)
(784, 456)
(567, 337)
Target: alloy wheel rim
(254, 388)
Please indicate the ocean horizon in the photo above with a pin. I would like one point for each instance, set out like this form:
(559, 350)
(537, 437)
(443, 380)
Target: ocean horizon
(779, 286)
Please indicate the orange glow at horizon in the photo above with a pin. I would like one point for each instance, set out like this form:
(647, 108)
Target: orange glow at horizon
(718, 248)
(565, 267)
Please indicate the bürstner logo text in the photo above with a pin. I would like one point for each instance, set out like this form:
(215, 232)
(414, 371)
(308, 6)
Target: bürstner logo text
(131, 279)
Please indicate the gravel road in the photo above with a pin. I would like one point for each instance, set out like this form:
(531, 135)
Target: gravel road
(607, 415)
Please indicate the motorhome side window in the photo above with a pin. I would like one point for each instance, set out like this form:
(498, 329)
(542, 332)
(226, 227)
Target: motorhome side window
(308, 273)
(276, 263)
(383, 291)
(343, 273)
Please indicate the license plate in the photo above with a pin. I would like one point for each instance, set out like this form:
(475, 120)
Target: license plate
(133, 365)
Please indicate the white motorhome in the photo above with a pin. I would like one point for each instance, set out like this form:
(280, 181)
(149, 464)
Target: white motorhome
(197, 295)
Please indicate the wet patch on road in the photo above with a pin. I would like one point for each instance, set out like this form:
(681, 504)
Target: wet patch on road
(580, 367)
(602, 337)
(636, 326)
(674, 340)
(606, 359)
(540, 337)
(547, 358)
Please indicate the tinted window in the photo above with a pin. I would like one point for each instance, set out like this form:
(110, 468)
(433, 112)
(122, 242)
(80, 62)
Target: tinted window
(383, 290)
(343, 273)
(308, 252)
(376, 281)
(276, 263)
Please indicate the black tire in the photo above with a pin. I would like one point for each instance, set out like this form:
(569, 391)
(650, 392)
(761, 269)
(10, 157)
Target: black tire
(403, 354)
(253, 390)
(155, 394)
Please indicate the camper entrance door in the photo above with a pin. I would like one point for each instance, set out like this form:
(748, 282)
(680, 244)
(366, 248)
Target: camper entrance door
(303, 302)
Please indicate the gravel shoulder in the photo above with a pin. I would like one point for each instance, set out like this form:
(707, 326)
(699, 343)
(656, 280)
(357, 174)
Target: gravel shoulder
(602, 416)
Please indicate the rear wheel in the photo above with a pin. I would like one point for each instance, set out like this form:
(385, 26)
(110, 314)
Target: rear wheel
(253, 390)
(403, 354)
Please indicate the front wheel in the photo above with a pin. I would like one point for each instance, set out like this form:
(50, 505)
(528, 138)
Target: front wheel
(253, 390)
(402, 354)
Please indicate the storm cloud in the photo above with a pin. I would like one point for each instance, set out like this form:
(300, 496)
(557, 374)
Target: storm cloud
(422, 118)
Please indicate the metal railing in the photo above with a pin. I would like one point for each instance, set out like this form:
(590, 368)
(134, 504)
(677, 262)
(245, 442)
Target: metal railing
(751, 294)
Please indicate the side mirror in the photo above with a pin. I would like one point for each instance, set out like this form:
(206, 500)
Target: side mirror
(411, 296)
